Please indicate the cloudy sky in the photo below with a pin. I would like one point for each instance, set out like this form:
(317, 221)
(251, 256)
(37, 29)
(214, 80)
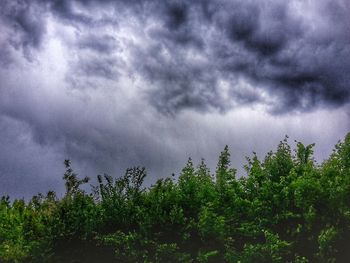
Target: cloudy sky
(117, 83)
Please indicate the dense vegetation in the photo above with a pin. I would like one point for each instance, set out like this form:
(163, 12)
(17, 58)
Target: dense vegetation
(288, 209)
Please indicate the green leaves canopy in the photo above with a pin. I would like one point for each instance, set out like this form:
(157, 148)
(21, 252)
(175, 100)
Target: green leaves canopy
(287, 209)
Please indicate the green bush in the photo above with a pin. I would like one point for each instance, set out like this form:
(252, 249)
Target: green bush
(287, 209)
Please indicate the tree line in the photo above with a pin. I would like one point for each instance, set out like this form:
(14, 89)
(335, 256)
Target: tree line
(287, 209)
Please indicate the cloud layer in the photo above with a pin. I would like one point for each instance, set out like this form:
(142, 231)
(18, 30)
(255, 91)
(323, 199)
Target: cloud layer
(295, 53)
(119, 83)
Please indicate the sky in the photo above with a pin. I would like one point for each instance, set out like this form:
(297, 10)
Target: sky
(111, 84)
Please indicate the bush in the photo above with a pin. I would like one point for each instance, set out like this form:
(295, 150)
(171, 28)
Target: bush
(287, 209)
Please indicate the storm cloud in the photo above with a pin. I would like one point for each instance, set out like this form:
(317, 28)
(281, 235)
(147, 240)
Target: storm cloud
(296, 53)
(112, 84)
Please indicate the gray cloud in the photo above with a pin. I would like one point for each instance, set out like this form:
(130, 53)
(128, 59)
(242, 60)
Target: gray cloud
(26, 167)
(111, 84)
(303, 65)
(98, 67)
(104, 44)
(25, 27)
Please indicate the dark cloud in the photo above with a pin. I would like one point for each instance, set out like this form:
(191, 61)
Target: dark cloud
(180, 89)
(159, 71)
(25, 27)
(64, 9)
(99, 67)
(177, 15)
(26, 168)
(100, 62)
(104, 44)
(265, 43)
(265, 32)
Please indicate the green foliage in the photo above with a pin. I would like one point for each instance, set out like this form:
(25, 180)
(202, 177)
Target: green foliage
(287, 209)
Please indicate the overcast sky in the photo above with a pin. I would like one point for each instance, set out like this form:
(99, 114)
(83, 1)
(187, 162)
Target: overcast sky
(112, 84)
